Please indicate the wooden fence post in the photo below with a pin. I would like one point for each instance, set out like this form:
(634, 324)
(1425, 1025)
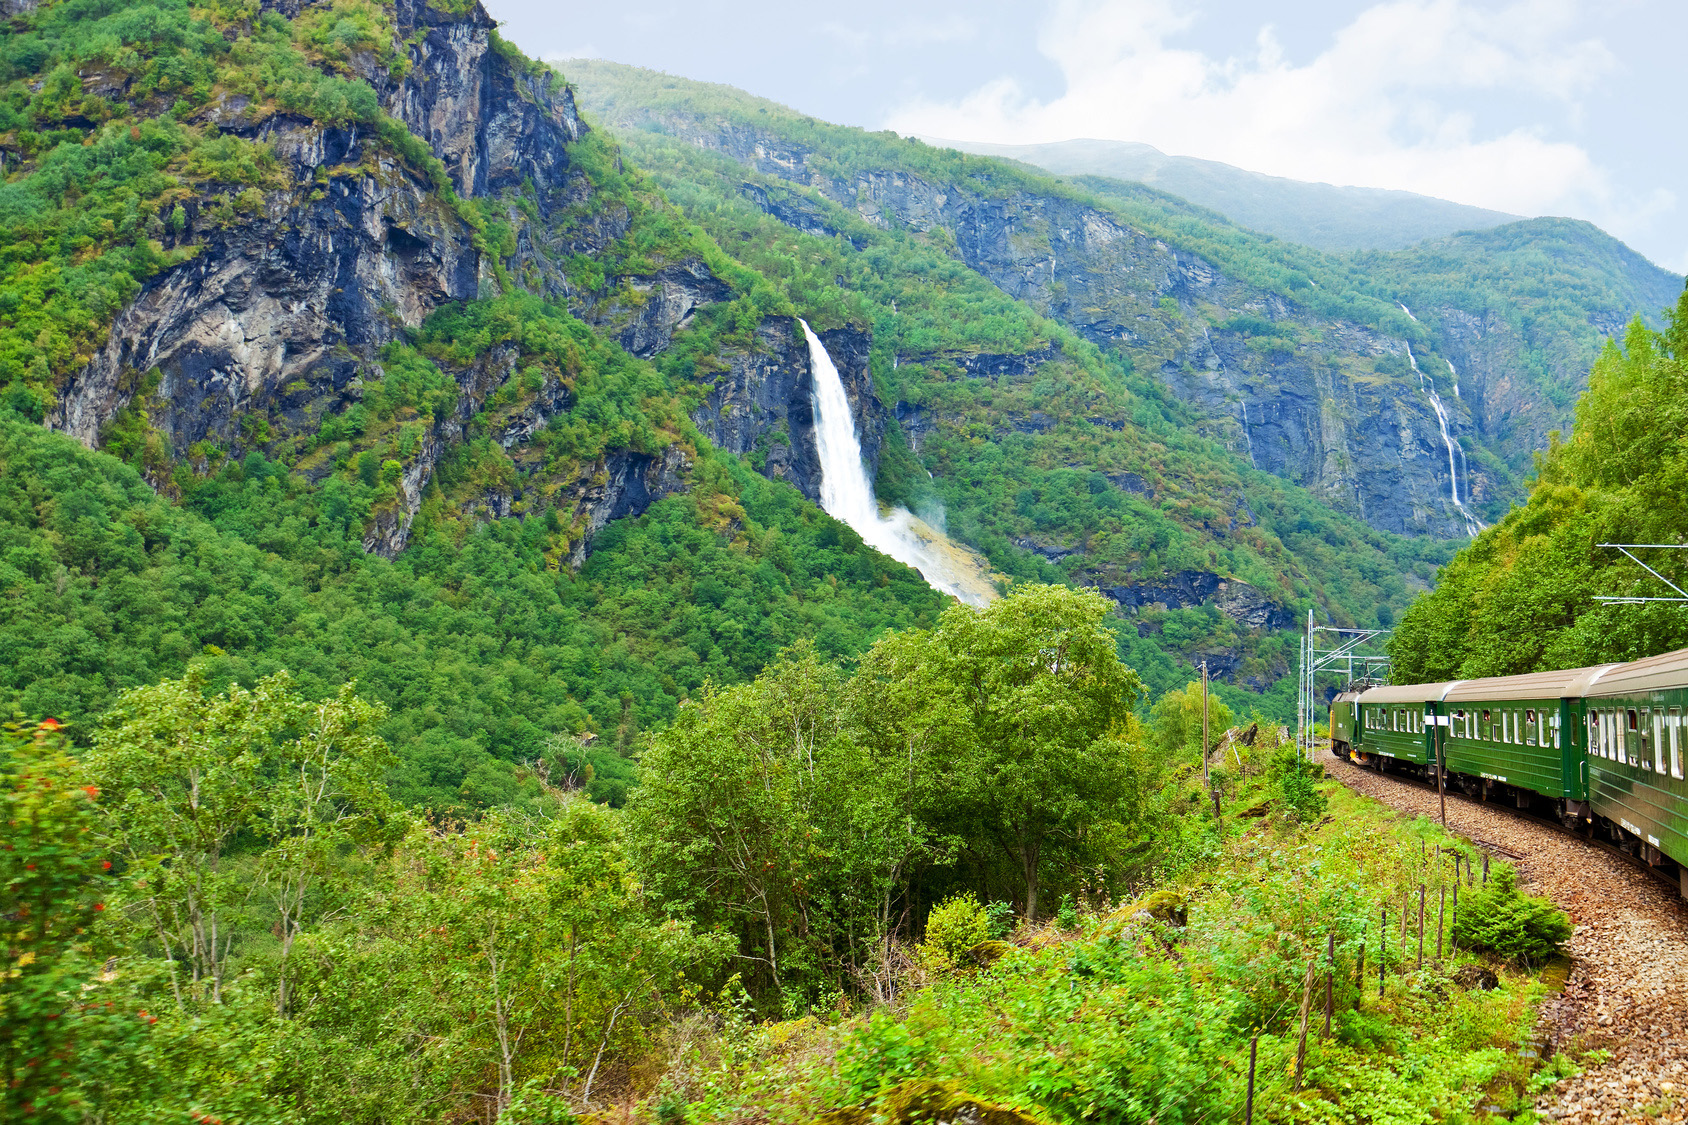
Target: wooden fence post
(1441, 912)
(1382, 951)
(1306, 1009)
(1421, 925)
(1248, 1100)
(1330, 982)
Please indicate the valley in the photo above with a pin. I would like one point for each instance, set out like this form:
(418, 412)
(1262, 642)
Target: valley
(557, 592)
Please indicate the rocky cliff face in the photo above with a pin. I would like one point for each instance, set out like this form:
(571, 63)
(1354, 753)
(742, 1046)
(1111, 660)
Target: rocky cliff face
(762, 407)
(1305, 400)
(276, 323)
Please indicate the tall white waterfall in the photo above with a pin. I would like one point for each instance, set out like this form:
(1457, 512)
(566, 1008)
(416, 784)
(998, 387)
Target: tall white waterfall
(1455, 454)
(846, 494)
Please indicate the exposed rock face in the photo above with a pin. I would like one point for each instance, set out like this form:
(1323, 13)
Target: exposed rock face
(1236, 599)
(1306, 404)
(278, 319)
(297, 295)
(762, 406)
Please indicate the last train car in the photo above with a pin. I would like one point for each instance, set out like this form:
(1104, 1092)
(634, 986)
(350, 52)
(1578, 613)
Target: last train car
(1521, 737)
(1390, 727)
(1634, 717)
(1342, 722)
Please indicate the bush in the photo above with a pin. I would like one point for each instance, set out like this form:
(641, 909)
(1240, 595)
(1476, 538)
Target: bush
(956, 925)
(999, 919)
(1499, 918)
(1302, 799)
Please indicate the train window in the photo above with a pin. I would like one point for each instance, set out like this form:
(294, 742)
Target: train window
(1660, 753)
(1530, 727)
(1606, 735)
(1483, 728)
(1596, 735)
(1676, 742)
(1553, 724)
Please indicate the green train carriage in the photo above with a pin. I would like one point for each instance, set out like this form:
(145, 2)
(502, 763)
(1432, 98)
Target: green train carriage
(1634, 717)
(1521, 736)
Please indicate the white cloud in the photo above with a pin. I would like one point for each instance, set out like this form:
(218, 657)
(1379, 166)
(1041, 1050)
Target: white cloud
(1402, 97)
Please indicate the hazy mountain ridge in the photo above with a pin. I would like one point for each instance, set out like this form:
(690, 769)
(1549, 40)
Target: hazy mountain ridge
(1324, 216)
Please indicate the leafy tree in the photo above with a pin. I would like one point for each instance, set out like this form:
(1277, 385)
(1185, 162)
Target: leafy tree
(1021, 701)
(188, 775)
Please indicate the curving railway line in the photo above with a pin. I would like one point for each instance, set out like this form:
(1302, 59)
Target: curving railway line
(1603, 751)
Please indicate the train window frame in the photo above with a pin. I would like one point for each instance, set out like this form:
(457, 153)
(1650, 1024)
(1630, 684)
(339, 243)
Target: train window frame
(1675, 726)
(1532, 736)
(1657, 715)
(1486, 725)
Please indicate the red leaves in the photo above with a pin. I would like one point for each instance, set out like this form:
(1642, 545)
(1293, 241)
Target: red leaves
(93, 792)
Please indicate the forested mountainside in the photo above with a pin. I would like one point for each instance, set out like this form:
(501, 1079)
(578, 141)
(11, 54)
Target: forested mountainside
(1302, 360)
(1323, 216)
(1521, 597)
(347, 283)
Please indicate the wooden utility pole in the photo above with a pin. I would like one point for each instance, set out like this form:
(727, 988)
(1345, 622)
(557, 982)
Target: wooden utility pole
(1205, 775)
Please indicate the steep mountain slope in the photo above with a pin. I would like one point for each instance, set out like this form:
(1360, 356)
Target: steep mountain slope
(1323, 216)
(1518, 312)
(1316, 384)
(443, 393)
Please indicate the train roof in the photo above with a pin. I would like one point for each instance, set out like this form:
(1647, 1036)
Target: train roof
(1656, 673)
(1569, 683)
(1406, 693)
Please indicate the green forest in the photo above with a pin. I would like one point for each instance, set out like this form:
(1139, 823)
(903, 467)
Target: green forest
(878, 892)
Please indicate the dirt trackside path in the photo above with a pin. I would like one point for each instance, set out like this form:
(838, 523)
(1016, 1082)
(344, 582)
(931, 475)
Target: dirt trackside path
(1628, 988)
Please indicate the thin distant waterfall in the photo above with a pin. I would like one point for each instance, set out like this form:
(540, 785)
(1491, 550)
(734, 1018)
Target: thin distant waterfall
(1455, 455)
(847, 495)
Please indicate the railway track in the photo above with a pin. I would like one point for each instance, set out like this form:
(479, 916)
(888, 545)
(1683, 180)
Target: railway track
(1627, 990)
(1548, 822)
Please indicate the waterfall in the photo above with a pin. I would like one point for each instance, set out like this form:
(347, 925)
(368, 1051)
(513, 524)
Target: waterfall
(847, 495)
(1248, 437)
(1455, 455)
(1454, 374)
(1409, 313)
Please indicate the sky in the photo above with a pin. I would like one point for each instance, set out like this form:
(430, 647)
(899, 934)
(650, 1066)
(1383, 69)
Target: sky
(1534, 107)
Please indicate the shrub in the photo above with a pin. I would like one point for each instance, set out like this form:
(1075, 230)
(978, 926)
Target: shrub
(999, 919)
(1499, 918)
(956, 925)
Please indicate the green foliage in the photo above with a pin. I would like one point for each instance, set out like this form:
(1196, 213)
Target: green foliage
(1520, 598)
(956, 925)
(52, 883)
(1499, 918)
(115, 588)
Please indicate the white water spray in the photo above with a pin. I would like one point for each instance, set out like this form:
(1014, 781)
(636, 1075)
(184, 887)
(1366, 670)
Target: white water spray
(1409, 313)
(847, 495)
(1454, 374)
(1455, 455)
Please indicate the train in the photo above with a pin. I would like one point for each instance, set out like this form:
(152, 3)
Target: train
(1602, 748)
